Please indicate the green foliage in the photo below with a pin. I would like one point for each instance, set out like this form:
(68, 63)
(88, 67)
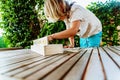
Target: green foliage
(19, 21)
(40, 12)
(109, 14)
(2, 44)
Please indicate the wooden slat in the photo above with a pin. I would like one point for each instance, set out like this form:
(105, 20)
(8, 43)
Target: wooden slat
(21, 64)
(10, 53)
(2, 77)
(18, 57)
(113, 56)
(28, 66)
(63, 69)
(48, 69)
(116, 47)
(94, 68)
(21, 58)
(14, 48)
(111, 70)
(31, 71)
(77, 71)
(88, 64)
(18, 60)
(116, 51)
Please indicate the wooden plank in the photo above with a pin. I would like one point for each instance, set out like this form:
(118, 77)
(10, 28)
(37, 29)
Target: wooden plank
(2, 77)
(87, 65)
(94, 68)
(111, 70)
(14, 48)
(115, 57)
(20, 56)
(48, 69)
(18, 60)
(63, 69)
(115, 50)
(116, 47)
(77, 71)
(24, 68)
(21, 64)
(34, 69)
(9, 54)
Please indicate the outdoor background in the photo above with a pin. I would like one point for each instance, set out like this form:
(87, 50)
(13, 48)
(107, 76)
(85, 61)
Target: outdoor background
(22, 21)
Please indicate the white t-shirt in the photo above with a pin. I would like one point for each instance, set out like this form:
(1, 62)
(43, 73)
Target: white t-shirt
(89, 23)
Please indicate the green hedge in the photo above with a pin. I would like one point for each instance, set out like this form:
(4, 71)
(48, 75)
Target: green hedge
(20, 22)
(2, 43)
(109, 14)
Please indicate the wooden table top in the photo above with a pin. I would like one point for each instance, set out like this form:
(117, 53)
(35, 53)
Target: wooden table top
(101, 63)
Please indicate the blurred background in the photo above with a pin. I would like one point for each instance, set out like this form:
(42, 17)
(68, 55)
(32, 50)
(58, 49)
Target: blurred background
(22, 21)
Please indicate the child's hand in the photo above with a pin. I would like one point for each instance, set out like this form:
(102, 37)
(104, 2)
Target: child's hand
(50, 38)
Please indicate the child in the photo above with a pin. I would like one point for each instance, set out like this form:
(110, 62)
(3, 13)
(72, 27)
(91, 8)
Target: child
(78, 21)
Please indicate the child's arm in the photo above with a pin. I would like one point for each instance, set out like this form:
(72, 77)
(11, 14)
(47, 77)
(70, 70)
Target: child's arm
(66, 33)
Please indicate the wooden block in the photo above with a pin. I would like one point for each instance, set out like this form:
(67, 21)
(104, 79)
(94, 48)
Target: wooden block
(43, 41)
(47, 49)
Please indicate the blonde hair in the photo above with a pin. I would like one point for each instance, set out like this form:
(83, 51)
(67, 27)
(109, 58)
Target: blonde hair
(54, 9)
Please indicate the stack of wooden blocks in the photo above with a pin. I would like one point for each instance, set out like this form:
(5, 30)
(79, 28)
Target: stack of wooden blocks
(43, 47)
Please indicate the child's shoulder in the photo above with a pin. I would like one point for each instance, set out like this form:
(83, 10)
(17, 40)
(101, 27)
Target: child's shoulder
(76, 6)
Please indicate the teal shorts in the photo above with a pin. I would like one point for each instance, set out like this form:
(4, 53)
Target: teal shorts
(92, 41)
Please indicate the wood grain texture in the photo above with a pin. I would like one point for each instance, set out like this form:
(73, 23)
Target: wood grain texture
(94, 68)
(14, 48)
(113, 56)
(101, 63)
(48, 69)
(77, 71)
(112, 71)
(63, 69)
(115, 50)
